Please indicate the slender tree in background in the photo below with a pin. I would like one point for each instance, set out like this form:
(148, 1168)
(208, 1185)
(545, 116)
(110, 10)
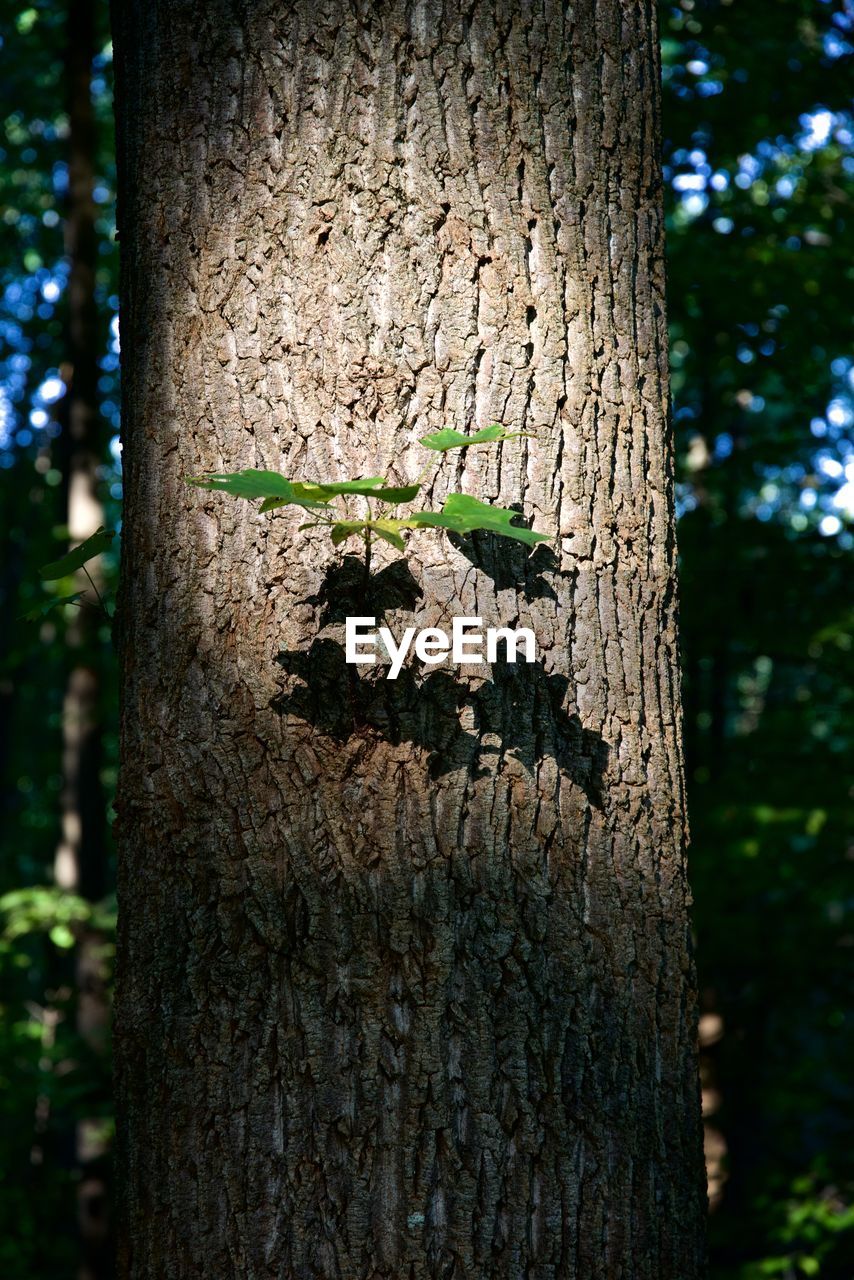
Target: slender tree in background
(54, 267)
(80, 865)
(404, 977)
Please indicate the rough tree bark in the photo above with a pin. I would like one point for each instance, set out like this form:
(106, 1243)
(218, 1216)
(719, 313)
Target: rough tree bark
(405, 986)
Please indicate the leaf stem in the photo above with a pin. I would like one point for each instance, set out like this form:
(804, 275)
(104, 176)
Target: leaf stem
(320, 522)
(104, 608)
(420, 478)
(368, 549)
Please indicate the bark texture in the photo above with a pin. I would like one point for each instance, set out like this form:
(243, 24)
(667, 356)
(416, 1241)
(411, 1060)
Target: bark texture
(405, 986)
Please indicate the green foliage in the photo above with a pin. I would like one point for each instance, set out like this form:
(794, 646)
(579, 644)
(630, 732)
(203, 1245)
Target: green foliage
(269, 485)
(373, 487)
(448, 438)
(386, 530)
(65, 567)
(43, 609)
(48, 910)
(809, 1227)
(460, 514)
(94, 546)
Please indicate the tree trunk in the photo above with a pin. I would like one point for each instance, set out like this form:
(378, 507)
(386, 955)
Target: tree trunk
(80, 862)
(405, 986)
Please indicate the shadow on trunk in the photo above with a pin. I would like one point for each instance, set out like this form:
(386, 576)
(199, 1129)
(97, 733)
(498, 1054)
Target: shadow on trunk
(344, 592)
(519, 710)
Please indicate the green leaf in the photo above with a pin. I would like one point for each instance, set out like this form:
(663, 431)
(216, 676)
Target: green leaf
(345, 529)
(463, 514)
(43, 609)
(251, 483)
(392, 495)
(387, 530)
(373, 487)
(335, 488)
(451, 439)
(61, 936)
(460, 514)
(94, 546)
(280, 492)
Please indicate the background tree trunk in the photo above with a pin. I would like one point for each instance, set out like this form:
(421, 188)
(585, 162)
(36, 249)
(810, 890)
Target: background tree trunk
(404, 982)
(80, 862)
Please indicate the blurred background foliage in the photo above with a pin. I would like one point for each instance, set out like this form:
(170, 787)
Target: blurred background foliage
(759, 170)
